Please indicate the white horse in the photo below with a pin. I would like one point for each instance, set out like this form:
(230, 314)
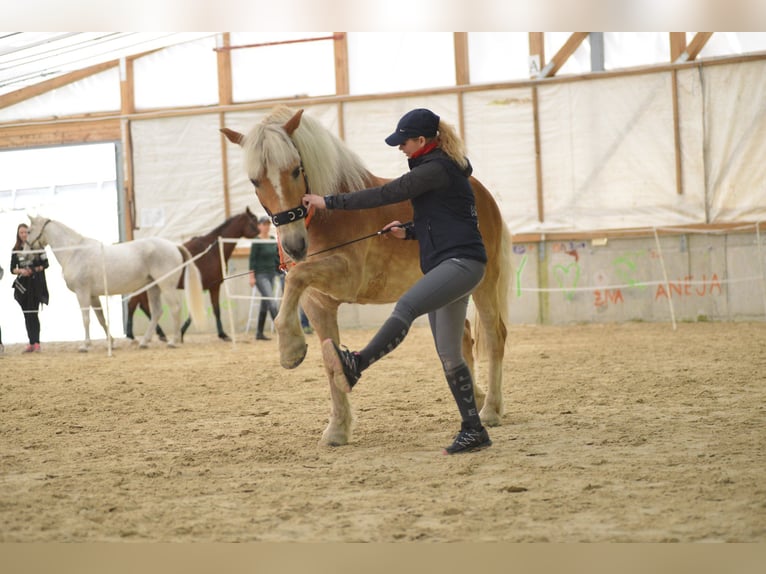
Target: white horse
(92, 269)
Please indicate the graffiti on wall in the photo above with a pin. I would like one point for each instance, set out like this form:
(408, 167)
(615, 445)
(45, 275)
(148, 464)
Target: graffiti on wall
(624, 273)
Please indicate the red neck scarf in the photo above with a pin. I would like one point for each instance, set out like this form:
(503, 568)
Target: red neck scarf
(425, 149)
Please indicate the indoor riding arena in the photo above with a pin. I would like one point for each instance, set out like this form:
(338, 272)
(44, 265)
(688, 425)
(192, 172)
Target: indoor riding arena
(626, 171)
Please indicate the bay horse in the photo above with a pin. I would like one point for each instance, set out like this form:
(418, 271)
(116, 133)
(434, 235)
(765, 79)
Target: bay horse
(289, 154)
(245, 225)
(88, 264)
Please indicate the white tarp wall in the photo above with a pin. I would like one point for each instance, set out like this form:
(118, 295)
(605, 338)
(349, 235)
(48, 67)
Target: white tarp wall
(608, 162)
(607, 152)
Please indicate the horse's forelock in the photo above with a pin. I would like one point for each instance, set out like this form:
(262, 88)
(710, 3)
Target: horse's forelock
(329, 165)
(268, 149)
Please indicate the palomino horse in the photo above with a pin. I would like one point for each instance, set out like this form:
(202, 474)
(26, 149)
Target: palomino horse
(243, 225)
(289, 154)
(92, 269)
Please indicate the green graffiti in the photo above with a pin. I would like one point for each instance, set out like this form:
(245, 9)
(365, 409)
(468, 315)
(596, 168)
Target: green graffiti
(518, 275)
(625, 268)
(564, 272)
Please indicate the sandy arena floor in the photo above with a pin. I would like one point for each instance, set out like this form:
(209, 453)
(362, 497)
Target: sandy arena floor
(628, 432)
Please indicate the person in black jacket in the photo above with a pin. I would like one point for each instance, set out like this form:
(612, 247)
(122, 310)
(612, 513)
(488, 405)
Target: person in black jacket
(2, 347)
(452, 258)
(30, 289)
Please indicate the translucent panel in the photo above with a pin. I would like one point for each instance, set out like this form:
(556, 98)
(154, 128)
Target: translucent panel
(498, 56)
(282, 70)
(97, 93)
(380, 62)
(56, 166)
(628, 49)
(730, 43)
(182, 75)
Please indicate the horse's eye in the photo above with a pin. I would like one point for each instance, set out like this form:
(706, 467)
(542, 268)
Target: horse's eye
(296, 172)
(256, 182)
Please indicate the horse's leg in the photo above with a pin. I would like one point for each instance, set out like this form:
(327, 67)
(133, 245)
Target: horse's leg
(155, 311)
(95, 303)
(148, 312)
(132, 304)
(330, 275)
(468, 355)
(214, 294)
(493, 336)
(173, 297)
(323, 315)
(292, 342)
(184, 327)
(84, 300)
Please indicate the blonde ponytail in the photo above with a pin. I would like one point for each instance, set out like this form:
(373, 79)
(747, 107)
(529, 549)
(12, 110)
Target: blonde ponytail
(450, 142)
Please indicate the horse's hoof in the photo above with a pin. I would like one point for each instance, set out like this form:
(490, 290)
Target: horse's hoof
(490, 419)
(298, 361)
(224, 338)
(83, 349)
(333, 441)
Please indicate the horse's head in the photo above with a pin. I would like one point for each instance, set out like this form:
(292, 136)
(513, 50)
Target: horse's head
(249, 224)
(274, 166)
(36, 237)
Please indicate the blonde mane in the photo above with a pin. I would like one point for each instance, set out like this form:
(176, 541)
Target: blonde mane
(330, 166)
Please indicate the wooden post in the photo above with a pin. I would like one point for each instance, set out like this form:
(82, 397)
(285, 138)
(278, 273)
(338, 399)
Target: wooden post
(462, 68)
(538, 156)
(340, 44)
(224, 70)
(677, 45)
(127, 107)
(536, 53)
(225, 97)
(677, 134)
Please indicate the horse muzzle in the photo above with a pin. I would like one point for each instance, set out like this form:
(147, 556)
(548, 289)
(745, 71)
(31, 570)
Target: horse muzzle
(294, 244)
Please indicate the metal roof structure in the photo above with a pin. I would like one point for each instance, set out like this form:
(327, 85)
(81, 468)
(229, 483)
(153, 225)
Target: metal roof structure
(27, 58)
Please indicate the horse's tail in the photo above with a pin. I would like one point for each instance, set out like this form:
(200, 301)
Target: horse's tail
(500, 296)
(193, 289)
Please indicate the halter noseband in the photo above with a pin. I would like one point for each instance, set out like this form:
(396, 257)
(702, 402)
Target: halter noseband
(288, 216)
(39, 235)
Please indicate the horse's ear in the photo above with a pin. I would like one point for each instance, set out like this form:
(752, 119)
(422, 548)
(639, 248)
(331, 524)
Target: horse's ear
(293, 123)
(232, 136)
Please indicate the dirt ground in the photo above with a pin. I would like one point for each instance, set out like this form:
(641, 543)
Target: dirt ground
(630, 432)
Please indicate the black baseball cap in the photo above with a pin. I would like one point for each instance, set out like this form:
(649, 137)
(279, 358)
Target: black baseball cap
(415, 123)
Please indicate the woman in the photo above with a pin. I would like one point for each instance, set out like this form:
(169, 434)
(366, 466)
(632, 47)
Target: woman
(2, 347)
(452, 258)
(30, 289)
(264, 262)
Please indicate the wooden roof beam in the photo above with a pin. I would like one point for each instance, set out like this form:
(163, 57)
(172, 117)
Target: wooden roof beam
(19, 96)
(563, 54)
(694, 47)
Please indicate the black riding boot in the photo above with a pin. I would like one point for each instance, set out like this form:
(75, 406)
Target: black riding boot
(261, 323)
(472, 435)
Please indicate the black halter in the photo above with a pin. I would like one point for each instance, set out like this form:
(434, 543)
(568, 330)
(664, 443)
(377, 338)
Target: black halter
(288, 216)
